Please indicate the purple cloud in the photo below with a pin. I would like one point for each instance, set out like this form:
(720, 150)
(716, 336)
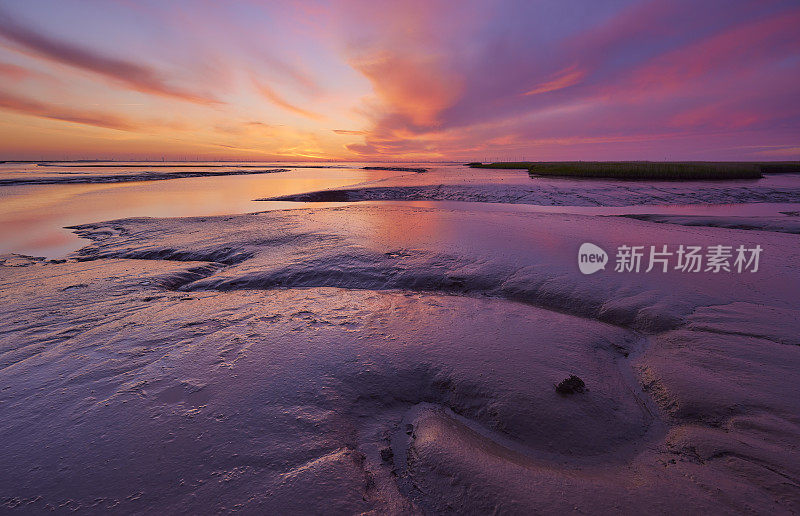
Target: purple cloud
(132, 75)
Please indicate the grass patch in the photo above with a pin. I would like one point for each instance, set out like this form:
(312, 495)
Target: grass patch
(658, 170)
(520, 165)
(635, 170)
(780, 167)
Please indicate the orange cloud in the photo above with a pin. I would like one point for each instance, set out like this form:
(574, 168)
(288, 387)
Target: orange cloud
(781, 152)
(55, 112)
(564, 79)
(14, 72)
(417, 87)
(279, 101)
(62, 113)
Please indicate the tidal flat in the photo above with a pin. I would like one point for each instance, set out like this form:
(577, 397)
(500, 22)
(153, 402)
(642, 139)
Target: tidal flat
(391, 342)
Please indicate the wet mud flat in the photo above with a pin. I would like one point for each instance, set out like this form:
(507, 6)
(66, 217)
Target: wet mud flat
(398, 360)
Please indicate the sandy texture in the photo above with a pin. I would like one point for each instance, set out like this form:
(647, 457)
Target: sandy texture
(396, 360)
(782, 224)
(578, 193)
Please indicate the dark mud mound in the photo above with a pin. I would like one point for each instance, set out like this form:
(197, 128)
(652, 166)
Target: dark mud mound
(571, 385)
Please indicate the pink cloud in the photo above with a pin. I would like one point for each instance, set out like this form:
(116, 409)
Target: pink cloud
(14, 72)
(270, 94)
(440, 79)
(132, 75)
(654, 72)
(39, 109)
(563, 79)
(415, 87)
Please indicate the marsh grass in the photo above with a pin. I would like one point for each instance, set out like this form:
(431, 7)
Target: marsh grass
(649, 170)
(645, 170)
(521, 165)
(780, 167)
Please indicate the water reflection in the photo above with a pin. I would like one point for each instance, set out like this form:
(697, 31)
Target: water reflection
(32, 216)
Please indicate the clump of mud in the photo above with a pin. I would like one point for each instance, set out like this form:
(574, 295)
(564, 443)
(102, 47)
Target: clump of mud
(571, 385)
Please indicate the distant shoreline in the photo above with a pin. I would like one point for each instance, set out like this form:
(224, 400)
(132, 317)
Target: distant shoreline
(126, 178)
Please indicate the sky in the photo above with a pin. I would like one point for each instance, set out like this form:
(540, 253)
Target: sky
(366, 80)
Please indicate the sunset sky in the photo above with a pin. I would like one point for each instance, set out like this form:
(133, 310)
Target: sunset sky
(411, 80)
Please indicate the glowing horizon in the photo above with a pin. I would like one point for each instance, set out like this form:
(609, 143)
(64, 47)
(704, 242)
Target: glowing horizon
(358, 80)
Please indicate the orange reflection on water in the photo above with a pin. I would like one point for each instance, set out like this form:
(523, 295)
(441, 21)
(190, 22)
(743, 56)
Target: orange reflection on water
(391, 226)
(32, 217)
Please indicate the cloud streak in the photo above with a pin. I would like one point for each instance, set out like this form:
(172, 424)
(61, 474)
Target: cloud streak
(14, 72)
(31, 107)
(564, 79)
(654, 68)
(271, 95)
(419, 79)
(135, 76)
